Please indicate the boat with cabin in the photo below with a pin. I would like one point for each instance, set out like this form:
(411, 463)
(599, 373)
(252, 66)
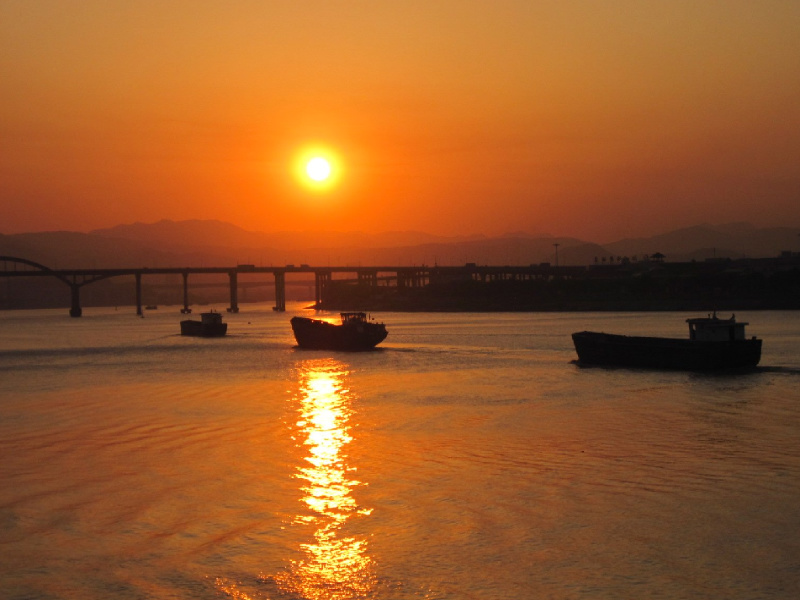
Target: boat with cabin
(355, 332)
(713, 344)
(209, 325)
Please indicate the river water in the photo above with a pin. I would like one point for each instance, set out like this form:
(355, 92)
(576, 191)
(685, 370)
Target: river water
(467, 458)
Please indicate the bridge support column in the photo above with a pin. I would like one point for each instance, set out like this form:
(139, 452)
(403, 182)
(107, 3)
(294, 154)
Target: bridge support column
(280, 291)
(75, 310)
(186, 310)
(234, 307)
(367, 278)
(139, 294)
(321, 281)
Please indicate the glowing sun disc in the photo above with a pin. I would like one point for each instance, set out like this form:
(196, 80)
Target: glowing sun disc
(318, 168)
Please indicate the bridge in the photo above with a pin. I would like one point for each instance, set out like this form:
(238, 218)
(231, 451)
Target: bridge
(399, 276)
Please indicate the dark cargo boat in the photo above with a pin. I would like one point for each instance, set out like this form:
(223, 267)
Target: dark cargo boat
(209, 325)
(713, 344)
(355, 332)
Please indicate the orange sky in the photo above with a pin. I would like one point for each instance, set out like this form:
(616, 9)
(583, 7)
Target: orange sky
(598, 120)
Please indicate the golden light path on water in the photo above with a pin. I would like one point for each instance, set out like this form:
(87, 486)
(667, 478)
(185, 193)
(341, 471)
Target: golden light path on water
(336, 565)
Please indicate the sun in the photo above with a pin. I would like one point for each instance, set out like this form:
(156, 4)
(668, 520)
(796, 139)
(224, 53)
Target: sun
(318, 168)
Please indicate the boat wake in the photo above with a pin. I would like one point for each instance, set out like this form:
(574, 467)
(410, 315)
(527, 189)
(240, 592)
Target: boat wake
(785, 370)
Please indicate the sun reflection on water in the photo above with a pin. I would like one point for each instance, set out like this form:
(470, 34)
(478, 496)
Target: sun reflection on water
(336, 565)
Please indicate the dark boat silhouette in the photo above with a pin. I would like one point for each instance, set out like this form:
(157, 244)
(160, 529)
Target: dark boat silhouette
(209, 325)
(355, 332)
(713, 344)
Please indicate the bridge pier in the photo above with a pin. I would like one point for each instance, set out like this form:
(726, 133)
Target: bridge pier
(75, 310)
(367, 277)
(234, 307)
(186, 310)
(280, 291)
(139, 294)
(321, 281)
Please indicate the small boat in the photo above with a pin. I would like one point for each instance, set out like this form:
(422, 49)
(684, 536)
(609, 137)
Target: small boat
(355, 332)
(713, 344)
(209, 325)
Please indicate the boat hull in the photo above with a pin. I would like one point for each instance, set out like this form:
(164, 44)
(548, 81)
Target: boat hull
(200, 329)
(320, 335)
(665, 353)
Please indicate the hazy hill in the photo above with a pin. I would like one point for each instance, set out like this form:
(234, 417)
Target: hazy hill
(183, 236)
(202, 235)
(68, 249)
(211, 241)
(733, 240)
(496, 251)
(214, 243)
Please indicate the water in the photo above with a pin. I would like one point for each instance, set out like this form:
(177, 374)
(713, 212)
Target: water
(469, 458)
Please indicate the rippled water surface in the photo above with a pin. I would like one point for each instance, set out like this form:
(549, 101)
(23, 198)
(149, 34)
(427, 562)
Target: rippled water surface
(469, 457)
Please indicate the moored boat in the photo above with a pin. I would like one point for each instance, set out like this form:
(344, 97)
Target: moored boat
(209, 325)
(355, 332)
(713, 344)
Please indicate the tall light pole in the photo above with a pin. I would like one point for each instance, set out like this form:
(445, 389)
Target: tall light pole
(556, 245)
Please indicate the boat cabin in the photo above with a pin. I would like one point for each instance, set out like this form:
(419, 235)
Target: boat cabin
(712, 329)
(353, 317)
(211, 318)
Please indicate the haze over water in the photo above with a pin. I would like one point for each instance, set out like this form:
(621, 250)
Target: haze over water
(467, 458)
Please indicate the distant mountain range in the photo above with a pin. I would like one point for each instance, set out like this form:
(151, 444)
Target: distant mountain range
(214, 243)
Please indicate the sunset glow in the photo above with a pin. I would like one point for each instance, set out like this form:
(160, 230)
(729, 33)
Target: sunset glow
(597, 121)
